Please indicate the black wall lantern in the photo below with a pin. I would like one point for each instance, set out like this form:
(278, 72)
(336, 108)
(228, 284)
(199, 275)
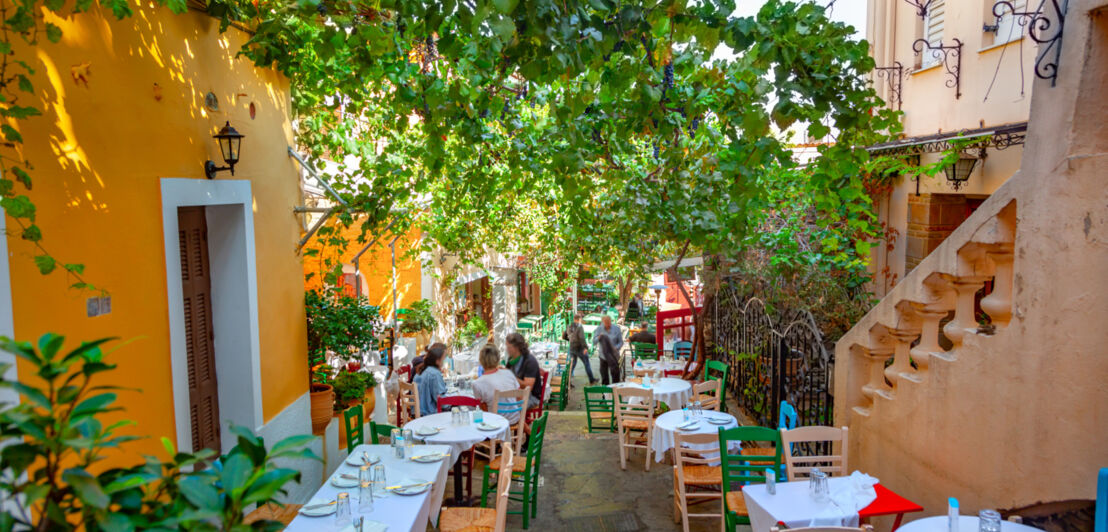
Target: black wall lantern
(959, 171)
(230, 142)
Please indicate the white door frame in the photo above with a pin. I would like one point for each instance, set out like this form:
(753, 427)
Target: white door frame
(7, 315)
(232, 261)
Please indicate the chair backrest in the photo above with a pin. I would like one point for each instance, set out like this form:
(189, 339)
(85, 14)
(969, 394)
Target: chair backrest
(627, 409)
(645, 351)
(535, 443)
(673, 373)
(404, 373)
(715, 370)
(1101, 517)
(592, 319)
(682, 349)
(377, 430)
(808, 447)
(786, 420)
(685, 456)
(355, 427)
(508, 402)
(407, 400)
(457, 400)
(710, 388)
(598, 399)
(740, 468)
(503, 488)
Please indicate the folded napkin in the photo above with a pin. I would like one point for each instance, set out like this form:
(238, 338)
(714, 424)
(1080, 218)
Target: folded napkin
(847, 498)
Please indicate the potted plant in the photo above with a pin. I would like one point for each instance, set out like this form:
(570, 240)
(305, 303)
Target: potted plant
(419, 322)
(473, 329)
(370, 380)
(340, 328)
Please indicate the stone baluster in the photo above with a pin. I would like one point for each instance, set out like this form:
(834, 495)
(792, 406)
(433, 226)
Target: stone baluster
(876, 385)
(965, 319)
(998, 304)
(929, 337)
(901, 367)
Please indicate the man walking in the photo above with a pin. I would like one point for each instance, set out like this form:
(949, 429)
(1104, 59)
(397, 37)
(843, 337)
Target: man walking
(608, 339)
(575, 335)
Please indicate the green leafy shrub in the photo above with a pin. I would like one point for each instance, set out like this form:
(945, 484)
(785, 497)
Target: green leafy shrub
(419, 318)
(473, 329)
(338, 325)
(54, 436)
(350, 388)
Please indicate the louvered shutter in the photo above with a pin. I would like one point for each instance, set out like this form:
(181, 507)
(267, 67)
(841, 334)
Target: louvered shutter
(933, 30)
(196, 288)
(1007, 28)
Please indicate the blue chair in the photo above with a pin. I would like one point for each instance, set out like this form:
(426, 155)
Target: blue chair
(1100, 521)
(682, 349)
(786, 420)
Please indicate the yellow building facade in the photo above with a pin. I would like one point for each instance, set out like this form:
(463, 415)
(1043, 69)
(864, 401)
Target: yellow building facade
(117, 154)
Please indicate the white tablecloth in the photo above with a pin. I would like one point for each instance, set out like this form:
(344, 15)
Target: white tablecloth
(540, 349)
(794, 506)
(966, 523)
(400, 512)
(465, 362)
(675, 393)
(459, 438)
(659, 365)
(666, 425)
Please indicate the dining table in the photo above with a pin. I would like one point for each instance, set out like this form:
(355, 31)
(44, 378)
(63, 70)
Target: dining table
(793, 505)
(660, 366)
(966, 523)
(397, 512)
(675, 393)
(673, 422)
(460, 438)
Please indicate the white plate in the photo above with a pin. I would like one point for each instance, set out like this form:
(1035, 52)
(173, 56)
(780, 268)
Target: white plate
(412, 491)
(488, 427)
(430, 458)
(718, 420)
(356, 460)
(339, 482)
(692, 425)
(426, 431)
(318, 512)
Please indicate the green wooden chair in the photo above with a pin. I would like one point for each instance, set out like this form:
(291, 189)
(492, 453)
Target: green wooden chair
(717, 370)
(379, 430)
(599, 409)
(524, 472)
(643, 351)
(559, 393)
(741, 469)
(355, 427)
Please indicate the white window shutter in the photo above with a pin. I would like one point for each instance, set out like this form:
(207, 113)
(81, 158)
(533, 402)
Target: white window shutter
(933, 26)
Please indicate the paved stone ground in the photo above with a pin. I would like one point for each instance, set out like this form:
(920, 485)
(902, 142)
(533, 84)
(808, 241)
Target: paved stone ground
(585, 490)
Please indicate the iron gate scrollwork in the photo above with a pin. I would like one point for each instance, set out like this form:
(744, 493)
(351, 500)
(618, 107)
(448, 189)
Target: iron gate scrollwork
(772, 357)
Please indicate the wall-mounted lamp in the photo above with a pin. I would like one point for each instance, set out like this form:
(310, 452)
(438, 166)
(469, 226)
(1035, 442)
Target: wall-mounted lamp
(230, 142)
(959, 171)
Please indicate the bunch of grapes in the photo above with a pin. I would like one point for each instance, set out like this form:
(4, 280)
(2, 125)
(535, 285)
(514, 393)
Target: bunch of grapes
(657, 151)
(693, 126)
(667, 82)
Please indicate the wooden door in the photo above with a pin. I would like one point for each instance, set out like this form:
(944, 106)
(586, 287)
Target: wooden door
(197, 289)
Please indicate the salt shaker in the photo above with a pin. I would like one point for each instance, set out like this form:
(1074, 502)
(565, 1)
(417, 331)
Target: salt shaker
(771, 481)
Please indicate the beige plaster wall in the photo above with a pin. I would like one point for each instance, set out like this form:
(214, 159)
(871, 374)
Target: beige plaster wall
(1021, 416)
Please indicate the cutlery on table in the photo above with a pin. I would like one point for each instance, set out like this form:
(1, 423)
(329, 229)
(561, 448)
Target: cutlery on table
(433, 455)
(358, 523)
(408, 487)
(348, 477)
(318, 506)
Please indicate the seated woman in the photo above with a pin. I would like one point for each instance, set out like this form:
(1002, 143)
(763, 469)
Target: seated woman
(495, 379)
(429, 380)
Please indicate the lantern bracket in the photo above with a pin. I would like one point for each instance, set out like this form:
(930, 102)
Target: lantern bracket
(951, 58)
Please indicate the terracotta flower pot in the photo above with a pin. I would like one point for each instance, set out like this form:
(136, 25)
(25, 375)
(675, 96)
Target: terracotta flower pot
(323, 405)
(369, 402)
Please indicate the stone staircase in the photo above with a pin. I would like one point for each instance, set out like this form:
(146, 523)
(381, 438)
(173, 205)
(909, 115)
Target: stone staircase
(1012, 413)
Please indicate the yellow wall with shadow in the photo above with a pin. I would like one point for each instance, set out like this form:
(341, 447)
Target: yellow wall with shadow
(99, 152)
(375, 267)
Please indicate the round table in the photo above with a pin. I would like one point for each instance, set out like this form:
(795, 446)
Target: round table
(659, 365)
(666, 424)
(459, 437)
(967, 523)
(675, 393)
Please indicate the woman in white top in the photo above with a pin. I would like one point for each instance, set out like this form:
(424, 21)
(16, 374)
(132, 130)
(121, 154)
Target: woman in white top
(495, 379)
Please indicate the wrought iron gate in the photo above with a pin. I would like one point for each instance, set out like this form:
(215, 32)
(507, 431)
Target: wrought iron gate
(772, 357)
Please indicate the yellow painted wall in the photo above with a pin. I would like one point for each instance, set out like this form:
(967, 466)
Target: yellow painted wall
(99, 152)
(375, 267)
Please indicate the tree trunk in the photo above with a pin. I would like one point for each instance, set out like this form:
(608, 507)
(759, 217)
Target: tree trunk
(624, 294)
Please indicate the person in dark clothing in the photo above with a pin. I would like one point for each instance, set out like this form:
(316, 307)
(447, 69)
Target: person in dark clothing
(525, 367)
(609, 361)
(643, 337)
(575, 334)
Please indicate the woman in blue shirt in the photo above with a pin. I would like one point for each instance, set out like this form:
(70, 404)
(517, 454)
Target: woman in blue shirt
(429, 381)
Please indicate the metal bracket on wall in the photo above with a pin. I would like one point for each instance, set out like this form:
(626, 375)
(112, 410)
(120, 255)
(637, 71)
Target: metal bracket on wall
(951, 58)
(921, 6)
(894, 75)
(1042, 28)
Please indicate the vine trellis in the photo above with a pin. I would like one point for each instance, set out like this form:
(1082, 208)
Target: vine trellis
(772, 357)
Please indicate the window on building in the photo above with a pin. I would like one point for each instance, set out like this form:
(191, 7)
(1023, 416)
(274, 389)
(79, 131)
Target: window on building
(1008, 28)
(933, 25)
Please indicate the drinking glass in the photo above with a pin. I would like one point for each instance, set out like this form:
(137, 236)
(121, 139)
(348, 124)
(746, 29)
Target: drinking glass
(409, 441)
(988, 521)
(365, 497)
(342, 510)
(822, 494)
(397, 437)
(812, 482)
(379, 480)
(363, 473)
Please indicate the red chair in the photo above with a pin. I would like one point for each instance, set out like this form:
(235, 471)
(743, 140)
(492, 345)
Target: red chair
(469, 457)
(534, 412)
(674, 373)
(405, 372)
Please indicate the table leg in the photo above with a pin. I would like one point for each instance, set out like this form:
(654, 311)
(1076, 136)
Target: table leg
(899, 517)
(458, 500)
